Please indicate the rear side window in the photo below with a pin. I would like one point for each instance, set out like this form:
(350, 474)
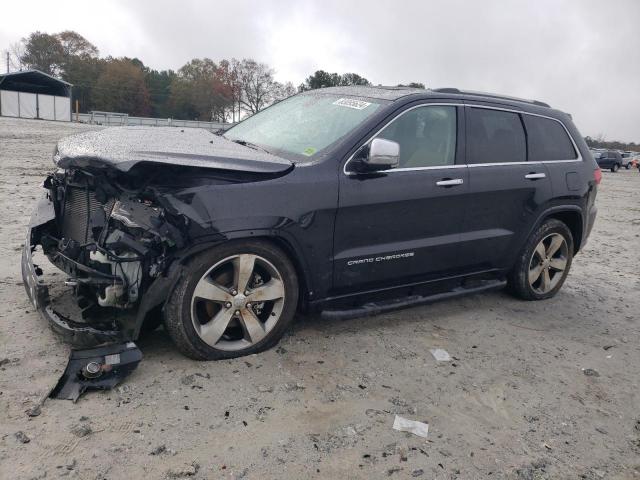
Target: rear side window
(495, 136)
(548, 140)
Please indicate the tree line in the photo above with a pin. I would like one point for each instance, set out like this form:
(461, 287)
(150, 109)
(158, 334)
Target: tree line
(600, 142)
(203, 89)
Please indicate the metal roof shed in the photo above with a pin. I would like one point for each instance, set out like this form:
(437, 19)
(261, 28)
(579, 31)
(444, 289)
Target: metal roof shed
(34, 94)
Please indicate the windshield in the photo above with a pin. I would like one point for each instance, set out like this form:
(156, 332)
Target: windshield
(303, 125)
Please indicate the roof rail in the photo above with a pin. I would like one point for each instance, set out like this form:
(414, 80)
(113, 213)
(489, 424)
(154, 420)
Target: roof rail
(490, 95)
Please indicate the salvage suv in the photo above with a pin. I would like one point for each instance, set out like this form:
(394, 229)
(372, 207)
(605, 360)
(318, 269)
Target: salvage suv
(350, 201)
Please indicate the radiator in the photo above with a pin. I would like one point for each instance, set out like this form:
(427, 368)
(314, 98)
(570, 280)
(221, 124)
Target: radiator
(79, 203)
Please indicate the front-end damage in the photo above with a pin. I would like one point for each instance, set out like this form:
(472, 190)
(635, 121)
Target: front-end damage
(115, 244)
(119, 219)
(112, 242)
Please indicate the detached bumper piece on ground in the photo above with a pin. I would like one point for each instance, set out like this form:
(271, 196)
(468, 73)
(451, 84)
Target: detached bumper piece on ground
(99, 368)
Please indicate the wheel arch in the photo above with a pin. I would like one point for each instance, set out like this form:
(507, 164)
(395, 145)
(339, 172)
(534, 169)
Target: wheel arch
(154, 299)
(571, 216)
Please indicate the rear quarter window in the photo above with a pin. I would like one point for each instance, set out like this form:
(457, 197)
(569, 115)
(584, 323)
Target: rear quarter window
(548, 140)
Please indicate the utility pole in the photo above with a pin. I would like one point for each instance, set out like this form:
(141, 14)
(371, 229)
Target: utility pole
(7, 61)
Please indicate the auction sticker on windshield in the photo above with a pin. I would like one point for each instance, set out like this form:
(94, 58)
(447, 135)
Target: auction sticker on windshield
(351, 103)
(309, 151)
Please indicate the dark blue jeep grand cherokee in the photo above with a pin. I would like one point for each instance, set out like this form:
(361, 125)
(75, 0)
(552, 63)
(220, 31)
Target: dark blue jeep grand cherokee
(349, 200)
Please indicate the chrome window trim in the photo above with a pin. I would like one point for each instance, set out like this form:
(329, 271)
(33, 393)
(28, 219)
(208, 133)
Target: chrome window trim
(579, 157)
(495, 164)
(412, 169)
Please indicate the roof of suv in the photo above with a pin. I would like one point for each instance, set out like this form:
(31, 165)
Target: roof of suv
(380, 92)
(395, 93)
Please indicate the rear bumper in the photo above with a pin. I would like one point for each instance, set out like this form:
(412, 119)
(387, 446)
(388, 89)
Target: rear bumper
(78, 334)
(593, 213)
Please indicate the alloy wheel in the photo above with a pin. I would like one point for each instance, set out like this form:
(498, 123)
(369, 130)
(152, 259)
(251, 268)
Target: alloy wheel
(548, 263)
(237, 302)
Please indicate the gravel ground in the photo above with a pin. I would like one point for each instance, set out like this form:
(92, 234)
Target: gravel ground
(517, 401)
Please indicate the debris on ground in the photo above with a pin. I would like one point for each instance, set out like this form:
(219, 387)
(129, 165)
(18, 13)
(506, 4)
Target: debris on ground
(81, 430)
(158, 450)
(403, 404)
(161, 450)
(534, 471)
(590, 372)
(22, 437)
(186, 470)
(291, 386)
(34, 411)
(440, 355)
(405, 425)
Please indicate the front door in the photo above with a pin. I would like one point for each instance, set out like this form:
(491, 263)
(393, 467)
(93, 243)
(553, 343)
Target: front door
(404, 224)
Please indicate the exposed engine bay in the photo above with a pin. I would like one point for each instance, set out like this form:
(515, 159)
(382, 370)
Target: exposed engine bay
(115, 234)
(111, 240)
(120, 216)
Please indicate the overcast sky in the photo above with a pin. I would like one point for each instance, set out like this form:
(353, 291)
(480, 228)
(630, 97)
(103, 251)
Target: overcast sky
(581, 56)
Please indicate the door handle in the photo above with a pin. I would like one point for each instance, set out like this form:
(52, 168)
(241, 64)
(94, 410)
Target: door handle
(535, 176)
(449, 182)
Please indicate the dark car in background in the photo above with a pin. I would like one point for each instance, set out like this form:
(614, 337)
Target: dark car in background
(349, 200)
(609, 159)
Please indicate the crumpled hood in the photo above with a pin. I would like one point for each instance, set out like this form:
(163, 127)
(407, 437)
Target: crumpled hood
(124, 147)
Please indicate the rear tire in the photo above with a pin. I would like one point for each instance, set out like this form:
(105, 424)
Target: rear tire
(234, 300)
(544, 263)
(615, 168)
(627, 166)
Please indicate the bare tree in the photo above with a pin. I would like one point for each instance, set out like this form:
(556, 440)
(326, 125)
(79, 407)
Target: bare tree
(257, 85)
(16, 52)
(285, 90)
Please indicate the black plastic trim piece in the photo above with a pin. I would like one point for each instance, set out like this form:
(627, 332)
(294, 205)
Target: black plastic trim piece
(376, 308)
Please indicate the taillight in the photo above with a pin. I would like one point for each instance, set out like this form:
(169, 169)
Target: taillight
(597, 175)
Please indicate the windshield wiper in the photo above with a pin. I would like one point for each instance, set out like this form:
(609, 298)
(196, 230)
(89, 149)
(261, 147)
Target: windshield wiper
(244, 143)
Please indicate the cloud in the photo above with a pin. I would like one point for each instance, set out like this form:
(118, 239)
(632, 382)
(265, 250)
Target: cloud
(578, 55)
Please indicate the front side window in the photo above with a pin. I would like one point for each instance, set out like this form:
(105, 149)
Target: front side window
(426, 135)
(303, 125)
(495, 136)
(548, 140)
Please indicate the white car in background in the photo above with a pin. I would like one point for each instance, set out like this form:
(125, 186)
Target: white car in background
(627, 159)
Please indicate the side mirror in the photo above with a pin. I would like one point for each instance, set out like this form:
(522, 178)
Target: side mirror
(383, 154)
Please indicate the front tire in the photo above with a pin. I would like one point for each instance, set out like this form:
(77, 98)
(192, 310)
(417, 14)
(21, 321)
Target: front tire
(544, 263)
(234, 300)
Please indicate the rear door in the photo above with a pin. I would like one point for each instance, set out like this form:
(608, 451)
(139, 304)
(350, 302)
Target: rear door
(506, 192)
